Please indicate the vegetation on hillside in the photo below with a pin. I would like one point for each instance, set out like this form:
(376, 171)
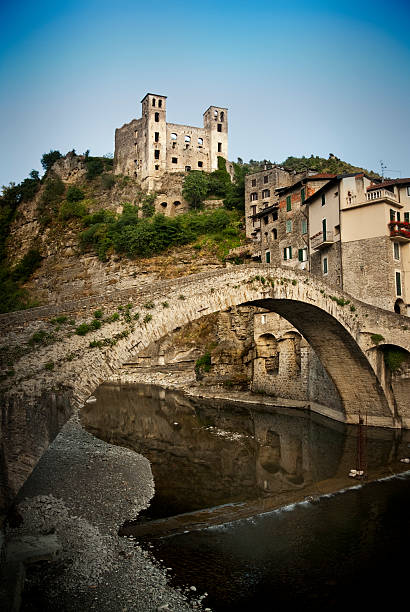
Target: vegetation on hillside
(333, 165)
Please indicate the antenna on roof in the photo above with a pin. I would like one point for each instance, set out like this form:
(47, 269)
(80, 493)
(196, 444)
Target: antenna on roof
(383, 167)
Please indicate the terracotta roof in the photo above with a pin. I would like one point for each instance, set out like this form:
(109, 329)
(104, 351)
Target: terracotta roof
(400, 181)
(321, 175)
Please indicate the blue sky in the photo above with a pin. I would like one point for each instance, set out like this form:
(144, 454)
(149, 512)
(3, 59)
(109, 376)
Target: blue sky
(298, 77)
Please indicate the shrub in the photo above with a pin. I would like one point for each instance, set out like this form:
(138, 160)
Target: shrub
(49, 365)
(195, 188)
(95, 167)
(39, 337)
(394, 357)
(49, 159)
(203, 363)
(149, 305)
(74, 194)
(107, 181)
(376, 338)
(25, 268)
(82, 329)
(95, 324)
(72, 210)
(98, 314)
(147, 318)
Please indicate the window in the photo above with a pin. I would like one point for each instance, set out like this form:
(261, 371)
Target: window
(219, 147)
(304, 226)
(157, 117)
(396, 250)
(408, 191)
(266, 193)
(406, 217)
(173, 136)
(174, 160)
(164, 204)
(177, 203)
(219, 127)
(253, 209)
(156, 167)
(156, 153)
(392, 215)
(222, 115)
(324, 263)
(153, 101)
(156, 137)
(266, 220)
(200, 164)
(160, 103)
(398, 283)
(398, 216)
(287, 253)
(266, 179)
(288, 226)
(187, 168)
(253, 182)
(323, 199)
(187, 138)
(275, 215)
(288, 203)
(275, 233)
(263, 319)
(302, 254)
(302, 195)
(254, 196)
(324, 229)
(216, 114)
(200, 142)
(267, 256)
(136, 133)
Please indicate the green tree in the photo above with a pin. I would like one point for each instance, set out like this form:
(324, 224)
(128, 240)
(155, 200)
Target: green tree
(195, 188)
(49, 159)
(235, 197)
(74, 194)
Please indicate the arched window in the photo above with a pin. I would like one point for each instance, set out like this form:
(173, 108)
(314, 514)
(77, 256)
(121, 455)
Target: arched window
(275, 233)
(222, 116)
(177, 203)
(187, 138)
(200, 141)
(173, 136)
(164, 204)
(157, 117)
(266, 193)
(216, 114)
(153, 101)
(254, 196)
(160, 103)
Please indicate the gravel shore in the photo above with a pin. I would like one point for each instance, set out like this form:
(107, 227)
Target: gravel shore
(83, 489)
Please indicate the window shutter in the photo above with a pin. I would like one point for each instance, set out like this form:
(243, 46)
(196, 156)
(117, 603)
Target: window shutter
(288, 203)
(290, 252)
(406, 217)
(300, 254)
(284, 253)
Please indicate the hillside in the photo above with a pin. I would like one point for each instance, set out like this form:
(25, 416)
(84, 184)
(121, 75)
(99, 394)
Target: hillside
(332, 165)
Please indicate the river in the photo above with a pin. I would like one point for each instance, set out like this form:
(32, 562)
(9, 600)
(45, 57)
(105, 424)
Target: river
(254, 506)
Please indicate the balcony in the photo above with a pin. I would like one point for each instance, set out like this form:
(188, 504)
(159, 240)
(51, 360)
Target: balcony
(322, 240)
(399, 231)
(381, 194)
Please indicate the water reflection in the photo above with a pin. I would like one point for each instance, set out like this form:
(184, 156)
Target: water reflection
(205, 453)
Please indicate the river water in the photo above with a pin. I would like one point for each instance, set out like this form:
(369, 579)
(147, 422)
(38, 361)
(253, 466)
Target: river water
(255, 506)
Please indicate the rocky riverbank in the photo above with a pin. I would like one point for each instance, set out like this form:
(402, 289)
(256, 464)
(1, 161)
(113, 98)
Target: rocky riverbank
(82, 490)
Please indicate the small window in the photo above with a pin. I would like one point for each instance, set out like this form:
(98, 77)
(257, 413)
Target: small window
(173, 136)
(222, 116)
(392, 215)
(302, 254)
(164, 204)
(267, 256)
(177, 203)
(323, 199)
(254, 196)
(398, 216)
(406, 217)
(153, 101)
(253, 182)
(187, 138)
(288, 226)
(266, 193)
(156, 136)
(303, 195)
(266, 179)
(156, 167)
(160, 103)
(396, 250)
(263, 319)
(156, 153)
(408, 191)
(219, 127)
(216, 114)
(136, 133)
(287, 253)
(219, 147)
(187, 168)
(200, 142)
(174, 160)
(157, 117)
(275, 233)
(324, 263)
(253, 209)
(200, 164)
(288, 203)
(275, 215)
(304, 226)
(266, 220)
(398, 283)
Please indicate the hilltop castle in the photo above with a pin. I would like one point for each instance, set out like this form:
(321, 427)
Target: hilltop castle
(149, 147)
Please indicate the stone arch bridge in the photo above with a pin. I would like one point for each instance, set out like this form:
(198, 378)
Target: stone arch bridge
(49, 371)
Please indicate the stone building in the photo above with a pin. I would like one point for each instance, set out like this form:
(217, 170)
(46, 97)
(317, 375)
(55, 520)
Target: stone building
(149, 147)
(359, 238)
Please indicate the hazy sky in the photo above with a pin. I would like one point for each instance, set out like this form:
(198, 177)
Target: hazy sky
(297, 77)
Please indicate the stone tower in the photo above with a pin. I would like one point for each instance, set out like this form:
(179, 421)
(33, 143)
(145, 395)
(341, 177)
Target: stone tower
(155, 132)
(216, 124)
